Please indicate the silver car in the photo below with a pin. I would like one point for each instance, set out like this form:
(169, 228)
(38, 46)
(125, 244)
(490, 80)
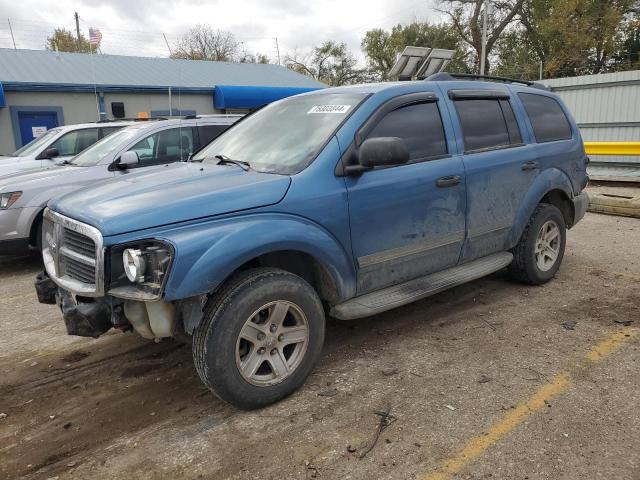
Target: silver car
(23, 196)
(56, 146)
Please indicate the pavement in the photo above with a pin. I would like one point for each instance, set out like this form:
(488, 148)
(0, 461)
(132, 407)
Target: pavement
(490, 380)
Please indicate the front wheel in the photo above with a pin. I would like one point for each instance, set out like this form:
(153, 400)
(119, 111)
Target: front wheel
(538, 254)
(260, 337)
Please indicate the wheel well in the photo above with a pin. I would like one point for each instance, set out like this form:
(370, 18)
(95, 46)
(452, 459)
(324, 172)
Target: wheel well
(562, 202)
(301, 264)
(33, 241)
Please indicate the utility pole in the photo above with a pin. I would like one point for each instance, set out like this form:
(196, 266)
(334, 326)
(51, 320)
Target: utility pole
(540, 69)
(78, 29)
(11, 30)
(485, 20)
(168, 47)
(277, 49)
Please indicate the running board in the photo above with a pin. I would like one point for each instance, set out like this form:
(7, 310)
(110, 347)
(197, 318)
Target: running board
(408, 292)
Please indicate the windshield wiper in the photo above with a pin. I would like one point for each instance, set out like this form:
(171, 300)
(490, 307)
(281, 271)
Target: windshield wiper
(240, 163)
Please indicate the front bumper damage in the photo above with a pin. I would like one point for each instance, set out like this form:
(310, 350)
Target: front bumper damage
(84, 319)
(91, 317)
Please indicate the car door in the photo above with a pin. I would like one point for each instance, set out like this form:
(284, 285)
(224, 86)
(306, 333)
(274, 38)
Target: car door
(407, 220)
(500, 167)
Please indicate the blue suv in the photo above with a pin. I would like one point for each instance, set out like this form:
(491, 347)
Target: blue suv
(343, 202)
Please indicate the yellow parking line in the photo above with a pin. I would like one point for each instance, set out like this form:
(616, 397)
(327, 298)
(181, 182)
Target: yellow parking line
(477, 445)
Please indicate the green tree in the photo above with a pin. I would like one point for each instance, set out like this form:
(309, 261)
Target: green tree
(628, 55)
(331, 63)
(575, 37)
(467, 18)
(382, 47)
(64, 40)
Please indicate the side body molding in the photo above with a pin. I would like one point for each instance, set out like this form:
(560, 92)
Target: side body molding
(206, 254)
(548, 180)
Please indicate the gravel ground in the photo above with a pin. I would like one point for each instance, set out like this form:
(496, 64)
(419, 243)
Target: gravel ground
(463, 376)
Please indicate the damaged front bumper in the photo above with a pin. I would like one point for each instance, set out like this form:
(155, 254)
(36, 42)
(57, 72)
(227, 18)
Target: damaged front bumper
(84, 319)
(91, 317)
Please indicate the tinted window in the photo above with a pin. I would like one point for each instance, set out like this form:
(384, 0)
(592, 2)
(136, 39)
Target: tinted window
(487, 123)
(166, 146)
(74, 142)
(419, 125)
(547, 118)
(209, 132)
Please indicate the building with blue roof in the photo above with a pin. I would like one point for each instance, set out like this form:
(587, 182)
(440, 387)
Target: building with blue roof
(42, 89)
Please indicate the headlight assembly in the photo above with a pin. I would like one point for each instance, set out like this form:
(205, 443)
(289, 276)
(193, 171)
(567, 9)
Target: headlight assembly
(9, 198)
(138, 270)
(134, 264)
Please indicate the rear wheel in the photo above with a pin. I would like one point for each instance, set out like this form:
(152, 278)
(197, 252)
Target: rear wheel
(260, 337)
(538, 254)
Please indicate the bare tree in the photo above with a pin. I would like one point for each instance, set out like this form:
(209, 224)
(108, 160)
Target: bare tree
(466, 17)
(331, 63)
(204, 43)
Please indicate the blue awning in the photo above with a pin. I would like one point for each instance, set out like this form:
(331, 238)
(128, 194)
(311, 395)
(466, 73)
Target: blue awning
(2, 102)
(228, 96)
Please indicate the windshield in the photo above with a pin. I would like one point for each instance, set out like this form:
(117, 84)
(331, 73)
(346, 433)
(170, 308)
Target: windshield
(285, 136)
(96, 152)
(34, 145)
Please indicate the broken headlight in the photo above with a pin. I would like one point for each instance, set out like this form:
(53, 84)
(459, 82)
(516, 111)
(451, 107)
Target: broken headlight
(139, 270)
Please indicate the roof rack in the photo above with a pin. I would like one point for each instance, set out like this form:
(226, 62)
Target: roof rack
(445, 76)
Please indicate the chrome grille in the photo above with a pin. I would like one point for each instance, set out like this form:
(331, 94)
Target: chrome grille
(79, 271)
(73, 254)
(79, 243)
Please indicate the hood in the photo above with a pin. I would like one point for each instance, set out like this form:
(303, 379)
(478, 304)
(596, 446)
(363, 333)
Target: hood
(170, 194)
(39, 185)
(9, 165)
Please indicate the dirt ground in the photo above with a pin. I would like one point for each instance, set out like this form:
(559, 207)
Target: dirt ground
(492, 379)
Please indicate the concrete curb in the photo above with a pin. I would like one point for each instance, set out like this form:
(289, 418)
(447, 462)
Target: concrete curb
(612, 204)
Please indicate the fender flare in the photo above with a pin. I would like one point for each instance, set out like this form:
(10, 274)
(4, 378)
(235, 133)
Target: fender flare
(206, 255)
(548, 180)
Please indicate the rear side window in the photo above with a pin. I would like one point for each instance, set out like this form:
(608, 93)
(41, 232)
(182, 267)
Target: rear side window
(487, 123)
(209, 132)
(419, 125)
(547, 118)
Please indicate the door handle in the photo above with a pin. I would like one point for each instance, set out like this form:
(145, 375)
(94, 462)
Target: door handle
(530, 165)
(448, 181)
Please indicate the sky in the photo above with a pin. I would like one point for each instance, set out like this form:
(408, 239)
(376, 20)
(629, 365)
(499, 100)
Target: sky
(136, 27)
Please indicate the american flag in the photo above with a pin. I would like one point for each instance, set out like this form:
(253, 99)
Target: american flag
(95, 36)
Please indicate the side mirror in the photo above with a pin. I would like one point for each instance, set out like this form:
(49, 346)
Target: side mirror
(128, 159)
(383, 151)
(50, 153)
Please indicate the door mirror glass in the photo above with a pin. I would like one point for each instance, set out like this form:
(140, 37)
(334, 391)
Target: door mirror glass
(50, 153)
(383, 151)
(128, 159)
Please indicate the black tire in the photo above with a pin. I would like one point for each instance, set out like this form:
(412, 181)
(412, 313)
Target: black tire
(524, 267)
(216, 339)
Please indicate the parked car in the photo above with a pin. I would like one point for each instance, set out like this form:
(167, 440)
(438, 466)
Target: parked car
(23, 196)
(347, 201)
(56, 146)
